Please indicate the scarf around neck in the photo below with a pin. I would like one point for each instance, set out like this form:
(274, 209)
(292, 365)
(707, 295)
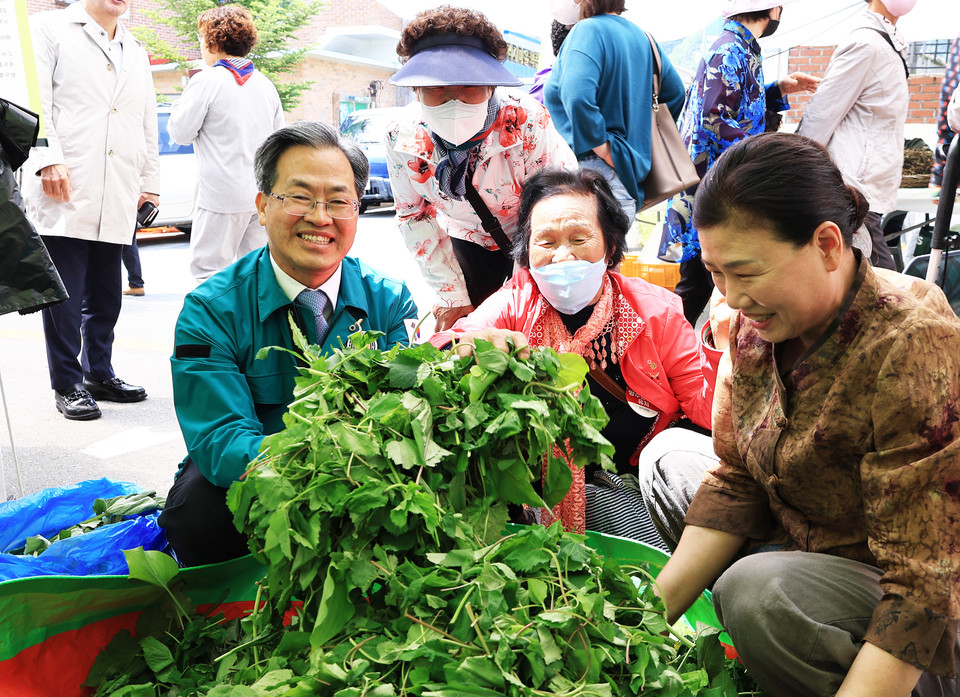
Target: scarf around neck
(241, 68)
(597, 340)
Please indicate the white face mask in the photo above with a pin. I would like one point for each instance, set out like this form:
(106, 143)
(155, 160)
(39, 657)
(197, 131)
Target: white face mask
(570, 285)
(565, 11)
(455, 121)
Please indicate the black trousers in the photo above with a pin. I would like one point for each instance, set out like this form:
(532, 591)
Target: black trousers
(131, 262)
(484, 270)
(197, 522)
(694, 288)
(881, 256)
(79, 331)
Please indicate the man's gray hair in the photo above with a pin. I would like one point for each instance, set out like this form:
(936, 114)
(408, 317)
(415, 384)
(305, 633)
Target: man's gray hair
(312, 134)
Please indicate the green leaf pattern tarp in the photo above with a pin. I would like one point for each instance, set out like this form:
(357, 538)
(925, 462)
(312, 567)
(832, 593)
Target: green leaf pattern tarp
(54, 627)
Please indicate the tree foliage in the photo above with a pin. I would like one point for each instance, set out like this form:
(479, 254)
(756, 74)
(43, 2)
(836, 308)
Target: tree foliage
(277, 21)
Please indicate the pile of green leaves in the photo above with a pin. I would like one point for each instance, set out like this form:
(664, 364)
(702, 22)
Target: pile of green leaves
(379, 512)
(407, 452)
(105, 512)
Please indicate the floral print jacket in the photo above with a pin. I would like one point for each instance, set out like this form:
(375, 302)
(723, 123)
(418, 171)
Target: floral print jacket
(522, 141)
(855, 452)
(726, 103)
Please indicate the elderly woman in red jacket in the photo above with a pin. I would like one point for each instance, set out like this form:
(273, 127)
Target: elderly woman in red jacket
(648, 366)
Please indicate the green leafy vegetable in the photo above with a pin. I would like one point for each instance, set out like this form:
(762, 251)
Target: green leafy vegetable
(380, 509)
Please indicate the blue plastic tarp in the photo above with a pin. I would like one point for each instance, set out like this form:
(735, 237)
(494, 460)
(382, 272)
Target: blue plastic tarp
(97, 552)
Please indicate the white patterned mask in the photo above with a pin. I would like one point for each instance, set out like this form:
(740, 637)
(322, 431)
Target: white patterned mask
(565, 11)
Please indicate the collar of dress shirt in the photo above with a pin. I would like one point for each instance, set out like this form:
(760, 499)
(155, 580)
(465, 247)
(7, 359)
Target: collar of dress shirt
(292, 287)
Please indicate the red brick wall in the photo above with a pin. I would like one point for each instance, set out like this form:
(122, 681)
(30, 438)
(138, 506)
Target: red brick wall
(924, 89)
(924, 98)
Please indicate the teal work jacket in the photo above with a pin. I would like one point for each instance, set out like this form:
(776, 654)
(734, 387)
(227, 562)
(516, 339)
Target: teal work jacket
(225, 399)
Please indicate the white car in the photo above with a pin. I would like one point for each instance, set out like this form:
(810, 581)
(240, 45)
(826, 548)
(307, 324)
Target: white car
(178, 178)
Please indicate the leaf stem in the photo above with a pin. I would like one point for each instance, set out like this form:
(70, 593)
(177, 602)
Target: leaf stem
(473, 623)
(463, 602)
(256, 611)
(439, 631)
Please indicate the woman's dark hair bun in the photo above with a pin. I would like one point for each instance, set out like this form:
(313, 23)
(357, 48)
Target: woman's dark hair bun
(859, 207)
(784, 181)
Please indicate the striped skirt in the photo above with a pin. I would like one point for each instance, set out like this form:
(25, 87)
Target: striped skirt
(615, 507)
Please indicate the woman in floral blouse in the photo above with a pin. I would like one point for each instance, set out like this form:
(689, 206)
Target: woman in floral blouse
(832, 515)
(465, 137)
(951, 80)
(726, 103)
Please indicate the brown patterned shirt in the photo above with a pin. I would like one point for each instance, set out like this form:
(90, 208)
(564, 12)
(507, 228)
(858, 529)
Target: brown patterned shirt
(855, 452)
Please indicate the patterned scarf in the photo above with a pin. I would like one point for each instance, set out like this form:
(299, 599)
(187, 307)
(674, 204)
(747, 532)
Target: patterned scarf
(612, 327)
(550, 330)
(595, 340)
(242, 68)
(454, 162)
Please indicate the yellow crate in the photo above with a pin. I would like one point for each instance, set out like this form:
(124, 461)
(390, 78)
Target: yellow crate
(664, 275)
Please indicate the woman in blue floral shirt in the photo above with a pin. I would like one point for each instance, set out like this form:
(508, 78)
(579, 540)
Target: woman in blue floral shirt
(726, 103)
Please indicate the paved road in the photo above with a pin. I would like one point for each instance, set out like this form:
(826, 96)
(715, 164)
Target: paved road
(141, 442)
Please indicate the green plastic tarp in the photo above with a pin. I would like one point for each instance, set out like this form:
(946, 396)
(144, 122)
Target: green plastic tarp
(53, 627)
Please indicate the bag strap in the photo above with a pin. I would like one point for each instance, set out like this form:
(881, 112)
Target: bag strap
(488, 220)
(607, 383)
(886, 36)
(657, 70)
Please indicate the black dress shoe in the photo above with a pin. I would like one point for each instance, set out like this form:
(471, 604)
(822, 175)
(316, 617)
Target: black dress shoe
(76, 404)
(115, 390)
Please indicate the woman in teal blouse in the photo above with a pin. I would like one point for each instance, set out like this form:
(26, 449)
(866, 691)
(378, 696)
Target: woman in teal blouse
(600, 95)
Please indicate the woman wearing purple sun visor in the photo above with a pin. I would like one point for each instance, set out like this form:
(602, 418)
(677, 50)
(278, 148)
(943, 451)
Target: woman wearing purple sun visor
(458, 157)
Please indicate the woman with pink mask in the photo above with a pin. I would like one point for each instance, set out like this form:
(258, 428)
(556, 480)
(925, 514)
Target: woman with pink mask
(859, 110)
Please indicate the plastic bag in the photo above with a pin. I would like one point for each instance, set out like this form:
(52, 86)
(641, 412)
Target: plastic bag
(28, 279)
(54, 627)
(97, 552)
(49, 511)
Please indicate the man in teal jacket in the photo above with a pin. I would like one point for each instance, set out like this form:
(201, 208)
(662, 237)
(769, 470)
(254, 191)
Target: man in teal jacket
(226, 399)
